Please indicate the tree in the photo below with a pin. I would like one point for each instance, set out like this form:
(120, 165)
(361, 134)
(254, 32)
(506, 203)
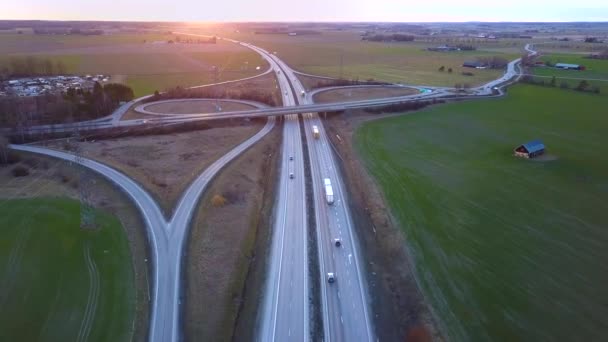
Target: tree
(553, 81)
(582, 86)
(450, 70)
(3, 150)
(442, 68)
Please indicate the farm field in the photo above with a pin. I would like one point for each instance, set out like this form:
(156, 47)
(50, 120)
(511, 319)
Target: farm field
(362, 93)
(506, 249)
(343, 53)
(145, 67)
(60, 282)
(596, 72)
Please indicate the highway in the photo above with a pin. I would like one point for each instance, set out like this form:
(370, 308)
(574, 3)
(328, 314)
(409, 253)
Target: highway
(166, 238)
(345, 306)
(285, 310)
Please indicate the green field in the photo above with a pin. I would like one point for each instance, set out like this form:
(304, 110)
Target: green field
(596, 71)
(505, 249)
(394, 62)
(144, 67)
(59, 282)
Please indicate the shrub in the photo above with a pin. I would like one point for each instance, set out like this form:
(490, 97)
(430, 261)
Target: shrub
(31, 162)
(20, 171)
(218, 201)
(467, 73)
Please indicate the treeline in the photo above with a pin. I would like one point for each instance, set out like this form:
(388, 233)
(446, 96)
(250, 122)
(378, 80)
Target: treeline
(214, 93)
(396, 37)
(582, 86)
(73, 105)
(340, 82)
(599, 55)
(402, 106)
(73, 31)
(493, 62)
(465, 47)
(190, 40)
(31, 66)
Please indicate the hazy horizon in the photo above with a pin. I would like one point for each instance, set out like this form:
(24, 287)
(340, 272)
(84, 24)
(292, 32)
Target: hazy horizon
(309, 11)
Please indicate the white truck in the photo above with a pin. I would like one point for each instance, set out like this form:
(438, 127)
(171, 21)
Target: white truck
(303, 93)
(315, 132)
(329, 192)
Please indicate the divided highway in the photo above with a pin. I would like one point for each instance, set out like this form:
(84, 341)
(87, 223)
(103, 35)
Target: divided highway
(344, 303)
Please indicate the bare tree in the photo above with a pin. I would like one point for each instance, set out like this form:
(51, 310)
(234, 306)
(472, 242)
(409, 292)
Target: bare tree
(3, 149)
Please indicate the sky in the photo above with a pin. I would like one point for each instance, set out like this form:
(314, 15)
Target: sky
(308, 10)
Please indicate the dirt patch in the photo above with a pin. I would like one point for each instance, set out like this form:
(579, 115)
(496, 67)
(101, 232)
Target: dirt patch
(362, 93)
(166, 164)
(228, 244)
(400, 310)
(196, 106)
(49, 177)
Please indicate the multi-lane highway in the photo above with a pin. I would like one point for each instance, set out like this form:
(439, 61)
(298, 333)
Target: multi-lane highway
(344, 303)
(285, 311)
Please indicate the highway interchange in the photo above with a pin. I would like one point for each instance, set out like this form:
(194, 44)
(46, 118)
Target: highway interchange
(285, 312)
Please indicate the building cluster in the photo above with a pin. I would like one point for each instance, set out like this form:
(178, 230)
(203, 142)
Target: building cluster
(37, 86)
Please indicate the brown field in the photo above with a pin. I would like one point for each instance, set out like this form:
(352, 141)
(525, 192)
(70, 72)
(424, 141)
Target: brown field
(166, 164)
(227, 245)
(51, 177)
(196, 106)
(362, 93)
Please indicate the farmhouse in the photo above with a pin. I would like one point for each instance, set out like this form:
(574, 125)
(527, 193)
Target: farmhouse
(567, 66)
(530, 149)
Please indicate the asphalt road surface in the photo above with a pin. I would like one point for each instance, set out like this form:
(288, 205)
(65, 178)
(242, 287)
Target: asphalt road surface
(344, 303)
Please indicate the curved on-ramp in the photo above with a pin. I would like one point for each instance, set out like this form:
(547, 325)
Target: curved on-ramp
(166, 237)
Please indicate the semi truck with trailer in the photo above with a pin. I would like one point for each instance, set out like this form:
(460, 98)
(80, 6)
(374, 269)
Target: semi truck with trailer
(329, 191)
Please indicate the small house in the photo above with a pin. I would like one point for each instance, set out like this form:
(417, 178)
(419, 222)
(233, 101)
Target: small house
(530, 149)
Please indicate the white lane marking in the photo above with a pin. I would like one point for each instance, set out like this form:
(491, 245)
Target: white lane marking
(338, 294)
(341, 320)
(289, 332)
(350, 258)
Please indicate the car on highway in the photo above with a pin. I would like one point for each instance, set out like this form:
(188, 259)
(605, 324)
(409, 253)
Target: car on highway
(291, 175)
(290, 157)
(331, 277)
(337, 242)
